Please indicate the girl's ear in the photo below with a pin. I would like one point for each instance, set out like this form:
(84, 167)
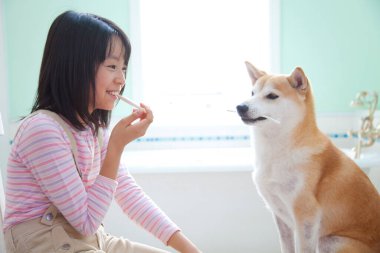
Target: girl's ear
(298, 80)
(254, 73)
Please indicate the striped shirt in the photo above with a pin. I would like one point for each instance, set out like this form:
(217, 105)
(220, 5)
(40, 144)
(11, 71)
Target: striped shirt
(41, 171)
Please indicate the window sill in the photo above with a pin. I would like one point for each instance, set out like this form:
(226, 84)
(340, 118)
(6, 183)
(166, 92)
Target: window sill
(188, 160)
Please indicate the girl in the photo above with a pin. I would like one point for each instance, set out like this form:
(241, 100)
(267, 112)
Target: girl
(63, 170)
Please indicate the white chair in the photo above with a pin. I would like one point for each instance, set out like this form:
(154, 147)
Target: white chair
(2, 195)
(2, 199)
(2, 207)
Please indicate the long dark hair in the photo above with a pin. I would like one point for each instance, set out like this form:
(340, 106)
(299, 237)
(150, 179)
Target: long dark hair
(77, 43)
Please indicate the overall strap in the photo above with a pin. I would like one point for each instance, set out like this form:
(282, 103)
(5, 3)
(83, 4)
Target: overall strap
(66, 129)
(73, 143)
(50, 214)
(100, 138)
(70, 135)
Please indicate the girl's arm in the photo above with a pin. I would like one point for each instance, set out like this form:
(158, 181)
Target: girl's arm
(131, 198)
(182, 244)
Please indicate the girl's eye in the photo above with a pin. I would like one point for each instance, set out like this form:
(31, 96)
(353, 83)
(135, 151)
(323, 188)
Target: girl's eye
(272, 96)
(112, 66)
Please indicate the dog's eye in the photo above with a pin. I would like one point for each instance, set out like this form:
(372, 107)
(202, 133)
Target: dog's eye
(252, 93)
(272, 96)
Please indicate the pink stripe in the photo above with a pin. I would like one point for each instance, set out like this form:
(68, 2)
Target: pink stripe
(13, 160)
(14, 196)
(22, 172)
(85, 156)
(138, 211)
(104, 201)
(79, 209)
(67, 185)
(98, 214)
(23, 184)
(163, 230)
(53, 175)
(154, 225)
(69, 199)
(149, 215)
(38, 150)
(123, 199)
(40, 134)
(133, 202)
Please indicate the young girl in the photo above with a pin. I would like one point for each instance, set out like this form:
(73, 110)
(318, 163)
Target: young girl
(64, 170)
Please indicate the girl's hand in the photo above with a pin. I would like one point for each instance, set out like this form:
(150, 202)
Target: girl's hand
(123, 133)
(127, 130)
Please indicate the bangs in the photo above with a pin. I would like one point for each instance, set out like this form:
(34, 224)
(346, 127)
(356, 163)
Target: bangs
(124, 52)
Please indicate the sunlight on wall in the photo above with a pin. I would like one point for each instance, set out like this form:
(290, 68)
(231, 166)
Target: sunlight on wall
(338, 45)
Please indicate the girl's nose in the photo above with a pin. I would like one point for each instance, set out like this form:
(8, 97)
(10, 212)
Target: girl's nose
(120, 79)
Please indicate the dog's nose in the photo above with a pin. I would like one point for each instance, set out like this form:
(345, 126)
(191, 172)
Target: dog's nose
(242, 109)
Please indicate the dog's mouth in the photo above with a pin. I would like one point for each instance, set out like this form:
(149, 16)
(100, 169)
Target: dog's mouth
(251, 121)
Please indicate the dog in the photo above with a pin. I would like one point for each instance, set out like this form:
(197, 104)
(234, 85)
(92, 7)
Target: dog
(320, 199)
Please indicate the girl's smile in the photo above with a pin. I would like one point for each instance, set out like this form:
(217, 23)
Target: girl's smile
(113, 94)
(110, 77)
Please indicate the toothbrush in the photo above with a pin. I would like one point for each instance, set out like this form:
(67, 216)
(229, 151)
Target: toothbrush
(266, 116)
(128, 101)
(274, 120)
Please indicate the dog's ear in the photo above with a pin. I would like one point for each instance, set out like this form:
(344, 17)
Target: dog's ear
(298, 80)
(254, 73)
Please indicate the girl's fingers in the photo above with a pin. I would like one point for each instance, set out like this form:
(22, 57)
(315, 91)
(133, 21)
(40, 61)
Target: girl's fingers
(133, 126)
(129, 119)
(148, 111)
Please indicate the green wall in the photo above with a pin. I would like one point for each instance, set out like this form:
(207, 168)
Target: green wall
(26, 26)
(337, 43)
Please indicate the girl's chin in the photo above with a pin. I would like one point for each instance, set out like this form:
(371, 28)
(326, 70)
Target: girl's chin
(106, 107)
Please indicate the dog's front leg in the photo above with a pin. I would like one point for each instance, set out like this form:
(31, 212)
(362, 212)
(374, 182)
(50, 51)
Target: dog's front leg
(307, 237)
(307, 232)
(286, 236)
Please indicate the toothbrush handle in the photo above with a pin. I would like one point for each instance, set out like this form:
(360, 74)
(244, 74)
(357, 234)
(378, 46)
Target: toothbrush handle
(130, 102)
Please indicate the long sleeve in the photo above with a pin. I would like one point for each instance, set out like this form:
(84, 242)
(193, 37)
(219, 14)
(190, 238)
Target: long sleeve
(140, 208)
(41, 170)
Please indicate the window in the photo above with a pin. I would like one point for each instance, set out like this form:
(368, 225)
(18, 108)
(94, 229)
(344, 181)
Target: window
(190, 62)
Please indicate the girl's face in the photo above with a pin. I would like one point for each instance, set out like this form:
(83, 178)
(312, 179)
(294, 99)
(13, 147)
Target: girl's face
(110, 78)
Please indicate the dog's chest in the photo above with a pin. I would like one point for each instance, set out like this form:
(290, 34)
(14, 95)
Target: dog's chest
(279, 181)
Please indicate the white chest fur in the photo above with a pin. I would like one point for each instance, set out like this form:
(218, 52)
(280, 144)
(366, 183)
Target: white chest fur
(279, 179)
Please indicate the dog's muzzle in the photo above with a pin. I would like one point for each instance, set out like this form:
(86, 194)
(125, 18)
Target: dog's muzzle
(242, 111)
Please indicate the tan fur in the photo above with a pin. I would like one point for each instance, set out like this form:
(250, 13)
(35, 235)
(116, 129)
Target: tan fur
(331, 205)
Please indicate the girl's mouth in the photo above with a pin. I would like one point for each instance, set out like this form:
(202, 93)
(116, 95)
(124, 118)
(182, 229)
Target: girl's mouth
(113, 93)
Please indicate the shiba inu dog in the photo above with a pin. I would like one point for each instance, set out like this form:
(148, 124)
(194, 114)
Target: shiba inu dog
(320, 199)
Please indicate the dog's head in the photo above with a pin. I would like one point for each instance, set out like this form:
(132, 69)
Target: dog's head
(277, 100)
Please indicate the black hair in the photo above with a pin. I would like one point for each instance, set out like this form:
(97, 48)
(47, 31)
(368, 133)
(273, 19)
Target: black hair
(77, 43)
